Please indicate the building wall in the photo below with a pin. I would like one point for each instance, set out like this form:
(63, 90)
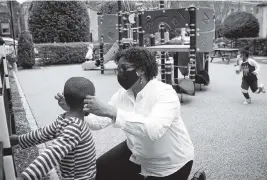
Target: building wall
(93, 24)
(262, 17)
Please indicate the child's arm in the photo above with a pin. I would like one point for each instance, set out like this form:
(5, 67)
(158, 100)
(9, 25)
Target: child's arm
(38, 136)
(256, 65)
(238, 68)
(62, 145)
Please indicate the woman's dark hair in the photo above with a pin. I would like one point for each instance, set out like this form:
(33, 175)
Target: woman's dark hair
(141, 58)
(244, 51)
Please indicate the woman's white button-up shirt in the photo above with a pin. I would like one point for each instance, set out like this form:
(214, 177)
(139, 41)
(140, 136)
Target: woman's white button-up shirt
(155, 131)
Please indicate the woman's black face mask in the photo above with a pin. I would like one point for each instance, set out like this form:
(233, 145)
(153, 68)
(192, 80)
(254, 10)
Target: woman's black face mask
(127, 78)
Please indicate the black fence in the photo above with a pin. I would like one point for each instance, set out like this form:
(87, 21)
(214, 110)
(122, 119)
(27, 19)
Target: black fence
(7, 115)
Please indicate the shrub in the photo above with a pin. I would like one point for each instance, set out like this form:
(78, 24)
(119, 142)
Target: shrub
(62, 53)
(59, 21)
(26, 55)
(240, 25)
(11, 59)
(257, 46)
(111, 7)
(218, 30)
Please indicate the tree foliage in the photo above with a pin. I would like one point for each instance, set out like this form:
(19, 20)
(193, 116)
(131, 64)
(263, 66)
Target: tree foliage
(111, 7)
(240, 25)
(59, 21)
(26, 56)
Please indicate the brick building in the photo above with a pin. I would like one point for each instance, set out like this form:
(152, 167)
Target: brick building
(5, 19)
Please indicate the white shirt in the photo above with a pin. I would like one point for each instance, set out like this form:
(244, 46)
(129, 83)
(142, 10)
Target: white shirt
(155, 131)
(252, 62)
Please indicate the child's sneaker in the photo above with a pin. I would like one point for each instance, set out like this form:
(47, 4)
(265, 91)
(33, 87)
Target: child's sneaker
(262, 88)
(247, 101)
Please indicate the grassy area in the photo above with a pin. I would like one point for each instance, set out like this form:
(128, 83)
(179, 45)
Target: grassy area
(23, 157)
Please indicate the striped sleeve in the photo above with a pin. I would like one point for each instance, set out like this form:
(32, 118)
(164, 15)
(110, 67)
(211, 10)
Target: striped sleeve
(65, 143)
(38, 136)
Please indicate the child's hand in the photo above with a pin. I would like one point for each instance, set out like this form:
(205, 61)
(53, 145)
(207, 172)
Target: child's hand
(62, 102)
(255, 73)
(14, 140)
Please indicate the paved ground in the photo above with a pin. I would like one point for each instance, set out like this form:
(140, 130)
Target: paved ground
(230, 138)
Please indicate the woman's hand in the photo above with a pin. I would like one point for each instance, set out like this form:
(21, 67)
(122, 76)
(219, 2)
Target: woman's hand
(96, 107)
(62, 102)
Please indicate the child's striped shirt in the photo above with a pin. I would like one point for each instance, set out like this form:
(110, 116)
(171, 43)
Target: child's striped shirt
(73, 149)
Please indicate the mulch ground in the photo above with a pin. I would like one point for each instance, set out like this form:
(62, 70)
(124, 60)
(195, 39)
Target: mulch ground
(22, 157)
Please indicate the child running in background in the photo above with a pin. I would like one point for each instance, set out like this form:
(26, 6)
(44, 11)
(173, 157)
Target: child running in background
(73, 146)
(250, 70)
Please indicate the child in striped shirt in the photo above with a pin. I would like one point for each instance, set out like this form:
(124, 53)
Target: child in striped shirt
(73, 146)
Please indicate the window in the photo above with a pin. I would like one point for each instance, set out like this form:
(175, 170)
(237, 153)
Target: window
(5, 28)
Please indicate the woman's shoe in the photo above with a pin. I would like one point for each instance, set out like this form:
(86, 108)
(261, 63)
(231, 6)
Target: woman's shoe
(199, 175)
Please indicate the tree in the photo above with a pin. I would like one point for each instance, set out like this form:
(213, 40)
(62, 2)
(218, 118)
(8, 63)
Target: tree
(240, 25)
(26, 56)
(59, 21)
(111, 7)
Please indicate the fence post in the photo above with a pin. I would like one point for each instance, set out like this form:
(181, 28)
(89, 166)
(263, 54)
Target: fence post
(1, 161)
(5, 118)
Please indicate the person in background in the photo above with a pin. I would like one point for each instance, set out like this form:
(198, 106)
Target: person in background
(250, 69)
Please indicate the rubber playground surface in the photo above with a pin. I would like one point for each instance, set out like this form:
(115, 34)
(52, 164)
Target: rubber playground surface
(230, 138)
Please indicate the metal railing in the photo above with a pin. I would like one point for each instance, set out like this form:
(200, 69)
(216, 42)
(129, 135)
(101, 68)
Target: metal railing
(7, 122)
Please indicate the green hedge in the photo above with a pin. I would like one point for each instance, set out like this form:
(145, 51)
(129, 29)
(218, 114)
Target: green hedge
(59, 21)
(240, 25)
(63, 53)
(257, 46)
(26, 56)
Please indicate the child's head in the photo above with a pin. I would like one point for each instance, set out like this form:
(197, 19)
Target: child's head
(75, 91)
(244, 54)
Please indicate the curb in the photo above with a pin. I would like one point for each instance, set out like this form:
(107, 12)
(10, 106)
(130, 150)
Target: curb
(32, 122)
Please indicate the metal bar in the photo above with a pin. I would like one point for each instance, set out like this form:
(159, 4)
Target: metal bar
(152, 40)
(5, 67)
(1, 161)
(140, 33)
(192, 52)
(120, 29)
(134, 29)
(175, 68)
(163, 75)
(10, 113)
(161, 4)
(12, 25)
(101, 54)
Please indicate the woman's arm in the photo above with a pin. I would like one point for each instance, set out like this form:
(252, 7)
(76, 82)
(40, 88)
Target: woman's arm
(98, 122)
(165, 110)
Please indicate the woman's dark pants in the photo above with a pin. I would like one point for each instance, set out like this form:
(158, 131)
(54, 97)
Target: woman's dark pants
(115, 165)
